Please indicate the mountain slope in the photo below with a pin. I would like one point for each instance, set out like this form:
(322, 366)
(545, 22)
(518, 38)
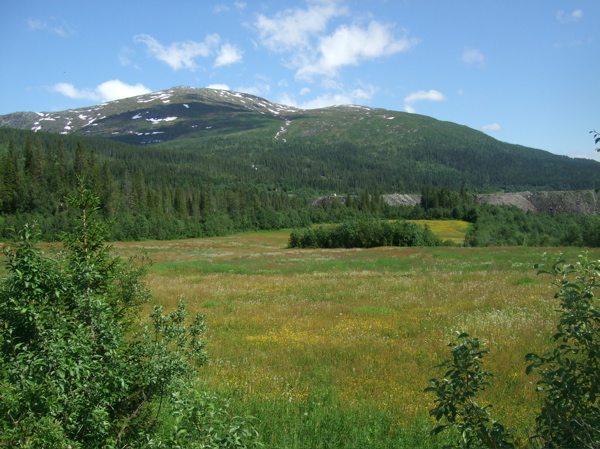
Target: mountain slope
(158, 116)
(224, 136)
(185, 112)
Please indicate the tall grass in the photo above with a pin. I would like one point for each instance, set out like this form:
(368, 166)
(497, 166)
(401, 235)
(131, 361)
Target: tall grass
(333, 348)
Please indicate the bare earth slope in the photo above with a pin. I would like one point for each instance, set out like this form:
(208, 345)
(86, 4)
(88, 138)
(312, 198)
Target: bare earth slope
(584, 202)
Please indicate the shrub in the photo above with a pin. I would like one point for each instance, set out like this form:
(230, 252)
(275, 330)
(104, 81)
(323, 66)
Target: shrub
(364, 234)
(457, 398)
(570, 374)
(78, 370)
(570, 380)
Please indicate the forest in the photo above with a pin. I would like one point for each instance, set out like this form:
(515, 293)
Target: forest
(153, 193)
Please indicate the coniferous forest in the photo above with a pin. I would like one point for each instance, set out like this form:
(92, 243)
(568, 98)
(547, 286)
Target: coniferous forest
(157, 192)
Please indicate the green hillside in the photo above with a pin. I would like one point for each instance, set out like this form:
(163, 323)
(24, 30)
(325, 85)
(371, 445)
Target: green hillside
(200, 162)
(193, 136)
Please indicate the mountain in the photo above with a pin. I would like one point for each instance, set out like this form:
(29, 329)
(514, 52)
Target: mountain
(160, 116)
(223, 137)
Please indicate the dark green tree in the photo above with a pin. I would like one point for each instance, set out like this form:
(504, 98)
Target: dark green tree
(11, 180)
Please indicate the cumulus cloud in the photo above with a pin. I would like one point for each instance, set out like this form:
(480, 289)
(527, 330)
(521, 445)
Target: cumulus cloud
(350, 96)
(472, 57)
(179, 55)
(301, 35)
(350, 45)
(291, 29)
(39, 25)
(107, 91)
(421, 95)
(573, 16)
(218, 86)
(491, 127)
(228, 54)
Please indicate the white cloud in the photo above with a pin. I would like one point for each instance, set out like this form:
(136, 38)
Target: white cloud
(228, 54)
(491, 127)
(124, 58)
(304, 91)
(107, 91)
(292, 29)
(68, 90)
(350, 45)
(240, 5)
(61, 30)
(179, 55)
(257, 89)
(221, 8)
(565, 17)
(218, 86)
(473, 56)
(301, 34)
(353, 96)
(421, 95)
(115, 89)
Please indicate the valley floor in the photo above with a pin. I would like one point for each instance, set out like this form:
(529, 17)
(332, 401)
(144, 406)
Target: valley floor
(333, 348)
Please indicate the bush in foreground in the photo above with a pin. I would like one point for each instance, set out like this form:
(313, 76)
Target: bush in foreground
(569, 374)
(78, 369)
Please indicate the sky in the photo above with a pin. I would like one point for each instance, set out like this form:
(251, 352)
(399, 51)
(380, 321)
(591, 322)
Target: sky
(523, 71)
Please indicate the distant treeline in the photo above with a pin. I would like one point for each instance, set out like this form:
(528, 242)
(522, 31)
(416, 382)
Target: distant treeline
(155, 194)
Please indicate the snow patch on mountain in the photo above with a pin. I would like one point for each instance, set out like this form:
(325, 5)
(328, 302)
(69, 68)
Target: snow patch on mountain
(158, 120)
(164, 96)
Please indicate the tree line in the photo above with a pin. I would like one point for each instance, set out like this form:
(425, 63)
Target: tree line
(150, 193)
(364, 234)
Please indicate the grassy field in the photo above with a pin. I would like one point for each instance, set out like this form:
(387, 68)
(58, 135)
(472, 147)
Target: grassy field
(453, 230)
(333, 348)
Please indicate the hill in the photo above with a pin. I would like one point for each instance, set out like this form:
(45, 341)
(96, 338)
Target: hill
(225, 137)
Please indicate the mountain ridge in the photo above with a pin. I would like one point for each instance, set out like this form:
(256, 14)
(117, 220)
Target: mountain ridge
(164, 107)
(229, 135)
(84, 120)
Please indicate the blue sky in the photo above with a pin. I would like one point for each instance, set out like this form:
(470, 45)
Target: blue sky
(525, 72)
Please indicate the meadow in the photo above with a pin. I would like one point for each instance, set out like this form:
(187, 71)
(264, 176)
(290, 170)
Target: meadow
(333, 348)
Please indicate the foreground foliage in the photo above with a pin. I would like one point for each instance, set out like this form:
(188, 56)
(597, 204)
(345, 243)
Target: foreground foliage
(570, 414)
(570, 373)
(456, 402)
(78, 369)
